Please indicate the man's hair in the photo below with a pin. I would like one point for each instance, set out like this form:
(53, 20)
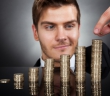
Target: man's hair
(40, 5)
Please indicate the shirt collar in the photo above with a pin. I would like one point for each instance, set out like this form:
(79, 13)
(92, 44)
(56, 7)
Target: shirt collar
(72, 63)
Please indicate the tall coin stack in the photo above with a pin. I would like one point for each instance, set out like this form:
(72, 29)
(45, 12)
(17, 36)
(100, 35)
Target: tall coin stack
(33, 80)
(96, 58)
(65, 75)
(18, 80)
(48, 77)
(80, 71)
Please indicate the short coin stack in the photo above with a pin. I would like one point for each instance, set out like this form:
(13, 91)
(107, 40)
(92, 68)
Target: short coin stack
(4, 80)
(18, 80)
(96, 67)
(48, 77)
(33, 80)
(80, 71)
(65, 75)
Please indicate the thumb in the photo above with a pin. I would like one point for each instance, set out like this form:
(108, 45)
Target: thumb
(106, 29)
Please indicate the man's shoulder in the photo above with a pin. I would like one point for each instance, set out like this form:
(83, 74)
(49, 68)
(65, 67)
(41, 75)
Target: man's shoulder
(105, 49)
(105, 60)
(105, 53)
(37, 64)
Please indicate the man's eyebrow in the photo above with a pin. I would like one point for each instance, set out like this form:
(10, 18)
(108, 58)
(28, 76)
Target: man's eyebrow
(47, 22)
(71, 21)
(51, 23)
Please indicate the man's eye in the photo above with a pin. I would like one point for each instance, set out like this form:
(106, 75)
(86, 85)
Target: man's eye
(50, 27)
(70, 26)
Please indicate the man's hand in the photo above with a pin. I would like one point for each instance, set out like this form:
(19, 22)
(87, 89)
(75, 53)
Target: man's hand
(101, 27)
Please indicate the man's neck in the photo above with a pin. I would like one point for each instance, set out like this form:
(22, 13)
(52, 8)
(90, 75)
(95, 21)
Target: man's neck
(56, 64)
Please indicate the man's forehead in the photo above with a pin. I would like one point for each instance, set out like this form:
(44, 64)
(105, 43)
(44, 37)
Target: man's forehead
(61, 14)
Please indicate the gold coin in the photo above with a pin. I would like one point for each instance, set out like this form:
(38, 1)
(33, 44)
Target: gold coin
(18, 77)
(33, 69)
(18, 85)
(4, 80)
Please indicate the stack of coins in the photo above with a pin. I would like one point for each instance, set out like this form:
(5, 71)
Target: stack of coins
(48, 77)
(96, 58)
(4, 80)
(80, 71)
(65, 75)
(18, 80)
(33, 80)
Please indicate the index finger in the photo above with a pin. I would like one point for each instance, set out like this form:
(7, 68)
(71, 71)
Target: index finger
(102, 21)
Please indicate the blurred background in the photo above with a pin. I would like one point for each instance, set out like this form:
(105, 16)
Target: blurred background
(17, 45)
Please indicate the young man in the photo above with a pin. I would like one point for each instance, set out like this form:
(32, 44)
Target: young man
(56, 25)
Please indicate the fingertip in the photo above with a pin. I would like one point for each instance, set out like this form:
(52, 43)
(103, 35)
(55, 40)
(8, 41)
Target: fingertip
(96, 31)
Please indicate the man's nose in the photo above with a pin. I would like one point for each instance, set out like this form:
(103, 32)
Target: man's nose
(61, 35)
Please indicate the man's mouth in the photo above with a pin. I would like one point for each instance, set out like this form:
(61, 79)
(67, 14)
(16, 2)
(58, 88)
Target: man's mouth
(61, 47)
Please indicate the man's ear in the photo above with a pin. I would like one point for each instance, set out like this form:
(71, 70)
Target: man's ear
(35, 33)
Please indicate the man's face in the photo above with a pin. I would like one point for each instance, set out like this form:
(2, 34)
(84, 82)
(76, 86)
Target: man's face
(58, 31)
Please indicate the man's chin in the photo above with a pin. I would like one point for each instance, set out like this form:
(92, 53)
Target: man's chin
(58, 59)
(65, 53)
